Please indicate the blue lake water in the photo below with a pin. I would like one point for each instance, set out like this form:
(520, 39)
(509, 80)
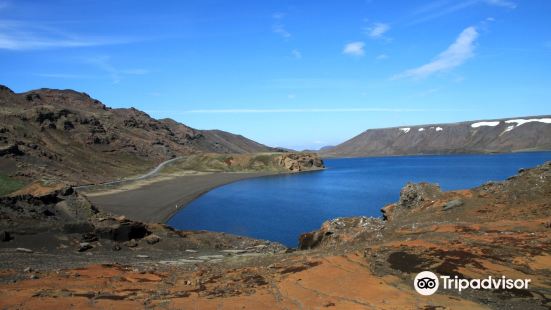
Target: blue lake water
(280, 208)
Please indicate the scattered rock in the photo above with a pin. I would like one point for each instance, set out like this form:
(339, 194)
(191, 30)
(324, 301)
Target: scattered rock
(191, 251)
(132, 243)
(84, 246)
(142, 256)
(209, 257)
(453, 204)
(28, 269)
(190, 261)
(24, 250)
(116, 247)
(89, 237)
(152, 239)
(33, 277)
(234, 251)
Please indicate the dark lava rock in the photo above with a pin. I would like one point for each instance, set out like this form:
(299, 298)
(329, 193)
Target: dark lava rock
(5, 236)
(10, 149)
(84, 246)
(114, 230)
(89, 237)
(116, 247)
(78, 228)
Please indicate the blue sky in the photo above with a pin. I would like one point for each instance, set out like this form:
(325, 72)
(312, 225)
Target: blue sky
(298, 74)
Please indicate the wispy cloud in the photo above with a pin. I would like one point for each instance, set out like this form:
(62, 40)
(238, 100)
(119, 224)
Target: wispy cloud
(442, 8)
(296, 54)
(455, 55)
(280, 30)
(304, 110)
(354, 48)
(377, 30)
(104, 63)
(382, 57)
(66, 76)
(278, 27)
(17, 35)
(503, 3)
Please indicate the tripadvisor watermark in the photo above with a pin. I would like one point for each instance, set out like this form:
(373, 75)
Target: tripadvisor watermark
(427, 283)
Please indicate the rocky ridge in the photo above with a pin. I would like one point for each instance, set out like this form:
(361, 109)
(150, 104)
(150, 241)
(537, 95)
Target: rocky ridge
(530, 133)
(69, 136)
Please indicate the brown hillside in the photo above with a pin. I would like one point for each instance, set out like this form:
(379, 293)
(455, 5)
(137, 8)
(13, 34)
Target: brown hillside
(67, 135)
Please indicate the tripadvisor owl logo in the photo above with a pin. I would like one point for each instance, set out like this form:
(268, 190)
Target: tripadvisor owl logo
(426, 283)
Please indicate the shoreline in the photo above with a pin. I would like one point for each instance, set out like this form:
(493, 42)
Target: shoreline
(159, 200)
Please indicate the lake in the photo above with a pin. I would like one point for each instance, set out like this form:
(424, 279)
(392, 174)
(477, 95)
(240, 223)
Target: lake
(280, 208)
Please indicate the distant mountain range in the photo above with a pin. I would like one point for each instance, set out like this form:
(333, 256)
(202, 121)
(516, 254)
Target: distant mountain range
(530, 133)
(69, 135)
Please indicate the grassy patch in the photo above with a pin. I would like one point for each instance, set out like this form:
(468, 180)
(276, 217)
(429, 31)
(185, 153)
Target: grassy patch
(8, 185)
(225, 163)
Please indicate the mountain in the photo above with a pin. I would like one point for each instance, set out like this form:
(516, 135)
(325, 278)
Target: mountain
(67, 135)
(486, 136)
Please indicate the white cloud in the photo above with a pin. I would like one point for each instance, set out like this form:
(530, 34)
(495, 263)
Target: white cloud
(455, 55)
(15, 35)
(296, 54)
(437, 9)
(278, 27)
(32, 42)
(354, 48)
(502, 3)
(377, 30)
(382, 57)
(280, 30)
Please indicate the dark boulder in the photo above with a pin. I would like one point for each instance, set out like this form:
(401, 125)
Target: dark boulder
(121, 231)
(4, 236)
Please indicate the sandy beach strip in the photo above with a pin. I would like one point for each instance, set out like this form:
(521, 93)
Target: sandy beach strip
(155, 201)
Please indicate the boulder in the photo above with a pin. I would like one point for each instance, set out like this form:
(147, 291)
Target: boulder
(10, 150)
(4, 236)
(339, 231)
(132, 243)
(120, 231)
(412, 196)
(84, 246)
(453, 204)
(152, 239)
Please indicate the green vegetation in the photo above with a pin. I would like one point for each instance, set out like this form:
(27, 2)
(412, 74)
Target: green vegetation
(8, 185)
(266, 162)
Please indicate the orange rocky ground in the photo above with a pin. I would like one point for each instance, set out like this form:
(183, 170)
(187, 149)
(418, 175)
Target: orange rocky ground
(496, 229)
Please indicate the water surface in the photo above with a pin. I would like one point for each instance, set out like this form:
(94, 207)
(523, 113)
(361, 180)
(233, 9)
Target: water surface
(280, 208)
